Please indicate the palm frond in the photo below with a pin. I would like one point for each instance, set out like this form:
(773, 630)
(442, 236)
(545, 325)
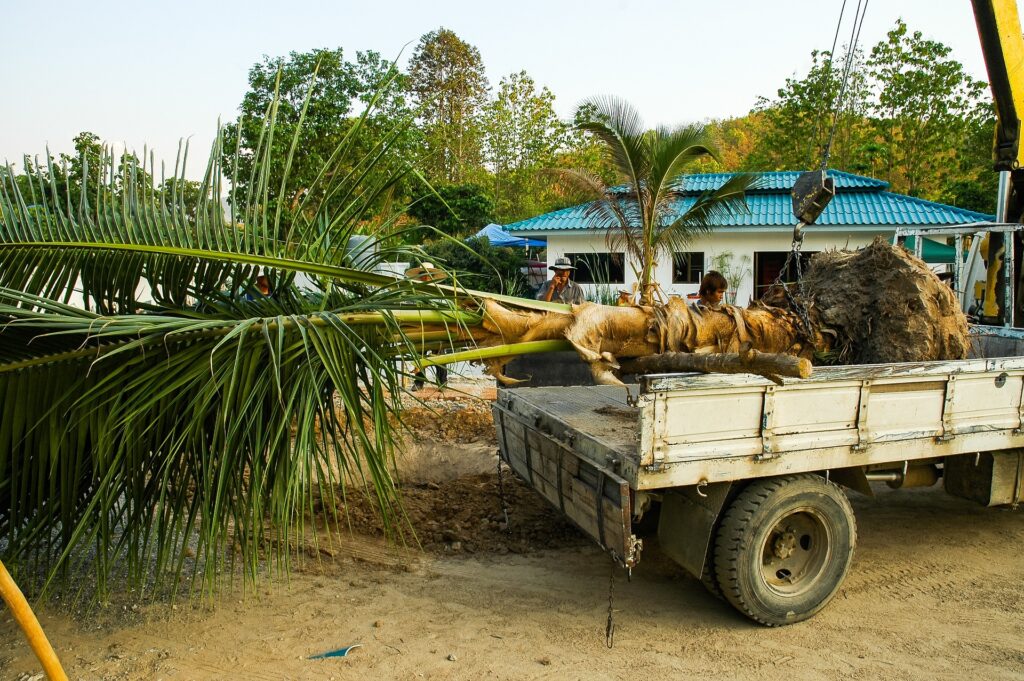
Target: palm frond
(709, 209)
(159, 413)
(672, 151)
(618, 125)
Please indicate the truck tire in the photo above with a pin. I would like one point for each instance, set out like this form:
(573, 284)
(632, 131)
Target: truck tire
(784, 546)
(707, 575)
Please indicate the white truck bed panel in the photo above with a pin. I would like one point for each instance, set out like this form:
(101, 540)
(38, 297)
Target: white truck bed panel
(710, 428)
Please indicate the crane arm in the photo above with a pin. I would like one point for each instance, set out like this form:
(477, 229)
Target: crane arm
(1003, 48)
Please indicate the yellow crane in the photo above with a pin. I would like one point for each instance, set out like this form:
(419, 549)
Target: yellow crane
(1003, 49)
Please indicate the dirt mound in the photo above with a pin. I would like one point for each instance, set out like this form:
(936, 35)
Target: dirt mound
(464, 515)
(886, 305)
(449, 484)
(450, 421)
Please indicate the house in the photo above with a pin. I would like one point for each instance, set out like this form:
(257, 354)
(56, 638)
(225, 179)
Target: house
(750, 247)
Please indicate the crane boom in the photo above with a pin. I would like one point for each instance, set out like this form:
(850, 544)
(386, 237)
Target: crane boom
(1003, 48)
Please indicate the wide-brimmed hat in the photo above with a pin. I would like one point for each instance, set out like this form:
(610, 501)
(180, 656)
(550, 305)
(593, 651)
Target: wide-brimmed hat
(561, 264)
(427, 272)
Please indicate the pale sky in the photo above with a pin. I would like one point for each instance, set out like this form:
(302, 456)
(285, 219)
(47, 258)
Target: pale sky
(152, 73)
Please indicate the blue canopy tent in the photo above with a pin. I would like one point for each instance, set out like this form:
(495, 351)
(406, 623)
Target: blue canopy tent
(499, 237)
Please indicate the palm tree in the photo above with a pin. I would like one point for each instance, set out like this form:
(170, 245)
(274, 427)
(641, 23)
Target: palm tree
(642, 214)
(162, 417)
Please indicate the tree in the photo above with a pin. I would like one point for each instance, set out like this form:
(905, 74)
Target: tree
(736, 140)
(798, 123)
(482, 266)
(456, 210)
(523, 135)
(926, 107)
(974, 186)
(178, 191)
(446, 75)
(320, 89)
(640, 215)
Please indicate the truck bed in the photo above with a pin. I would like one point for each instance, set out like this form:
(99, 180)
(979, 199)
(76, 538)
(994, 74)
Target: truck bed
(587, 449)
(569, 443)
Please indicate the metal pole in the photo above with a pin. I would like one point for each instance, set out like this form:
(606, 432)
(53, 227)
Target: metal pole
(1008, 301)
(1002, 195)
(958, 265)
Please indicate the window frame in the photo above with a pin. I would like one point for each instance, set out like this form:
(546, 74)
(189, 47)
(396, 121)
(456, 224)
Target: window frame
(677, 255)
(618, 268)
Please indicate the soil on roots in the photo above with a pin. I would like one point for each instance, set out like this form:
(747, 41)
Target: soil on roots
(886, 305)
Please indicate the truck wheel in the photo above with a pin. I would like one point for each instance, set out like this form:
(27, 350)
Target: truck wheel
(707, 575)
(784, 546)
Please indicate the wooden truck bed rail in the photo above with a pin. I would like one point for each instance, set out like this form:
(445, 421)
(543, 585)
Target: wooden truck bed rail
(544, 448)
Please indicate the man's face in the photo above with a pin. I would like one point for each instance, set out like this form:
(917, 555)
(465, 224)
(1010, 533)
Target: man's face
(561, 277)
(715, 297)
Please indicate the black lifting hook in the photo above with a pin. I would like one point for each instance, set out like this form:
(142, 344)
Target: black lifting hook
(811, 194)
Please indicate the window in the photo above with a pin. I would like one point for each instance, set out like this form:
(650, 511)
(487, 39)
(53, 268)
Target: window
(598, 268)
(768, 267)
(687, 268)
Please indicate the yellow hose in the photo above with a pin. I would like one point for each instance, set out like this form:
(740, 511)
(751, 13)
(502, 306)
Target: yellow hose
(30, 625)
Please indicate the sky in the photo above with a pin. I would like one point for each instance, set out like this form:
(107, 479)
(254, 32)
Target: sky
(153, 73)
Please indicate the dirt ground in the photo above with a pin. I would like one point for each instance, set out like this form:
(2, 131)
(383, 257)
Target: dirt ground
(935, 592)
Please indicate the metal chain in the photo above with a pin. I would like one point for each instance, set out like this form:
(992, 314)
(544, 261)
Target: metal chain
(501, 498)
(797, 306)
(609, 628)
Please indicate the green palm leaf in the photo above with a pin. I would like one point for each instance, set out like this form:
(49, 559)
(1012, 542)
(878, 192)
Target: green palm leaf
(639, 214)
(162, 420)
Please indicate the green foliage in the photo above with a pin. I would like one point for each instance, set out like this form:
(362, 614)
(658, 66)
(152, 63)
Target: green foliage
(926, 107)
(523, 136)
(162, 412)
(911, 116)
(321, 89)
(640, 216)
(482, 266)
(734, 269)
(455, 210)
(446, 76)
(798, 124)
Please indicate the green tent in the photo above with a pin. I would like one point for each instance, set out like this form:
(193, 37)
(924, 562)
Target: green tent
(932, 251)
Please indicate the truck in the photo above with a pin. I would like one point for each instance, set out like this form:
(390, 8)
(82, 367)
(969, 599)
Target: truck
(747, 477)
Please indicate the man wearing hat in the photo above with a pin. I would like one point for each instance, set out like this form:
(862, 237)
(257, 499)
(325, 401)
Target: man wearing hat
(559, 288)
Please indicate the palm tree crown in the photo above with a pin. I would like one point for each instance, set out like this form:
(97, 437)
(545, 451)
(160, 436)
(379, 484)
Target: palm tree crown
(640, 214)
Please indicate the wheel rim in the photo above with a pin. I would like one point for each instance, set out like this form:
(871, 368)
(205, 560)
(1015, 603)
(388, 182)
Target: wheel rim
(795, 552)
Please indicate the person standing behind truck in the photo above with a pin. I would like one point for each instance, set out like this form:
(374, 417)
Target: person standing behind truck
(429, 274)
(560, 288)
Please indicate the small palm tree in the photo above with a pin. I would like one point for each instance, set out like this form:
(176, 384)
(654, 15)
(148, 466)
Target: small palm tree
(643, 215)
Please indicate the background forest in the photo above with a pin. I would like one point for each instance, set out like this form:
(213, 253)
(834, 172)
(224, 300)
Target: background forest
(911, 116)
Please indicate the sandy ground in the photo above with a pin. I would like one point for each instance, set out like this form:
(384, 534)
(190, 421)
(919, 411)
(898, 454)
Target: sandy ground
(935, 592)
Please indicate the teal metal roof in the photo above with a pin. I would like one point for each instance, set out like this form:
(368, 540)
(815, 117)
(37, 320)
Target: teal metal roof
(859, 200)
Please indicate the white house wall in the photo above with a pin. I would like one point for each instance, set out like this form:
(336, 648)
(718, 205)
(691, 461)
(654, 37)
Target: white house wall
(740, 243)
